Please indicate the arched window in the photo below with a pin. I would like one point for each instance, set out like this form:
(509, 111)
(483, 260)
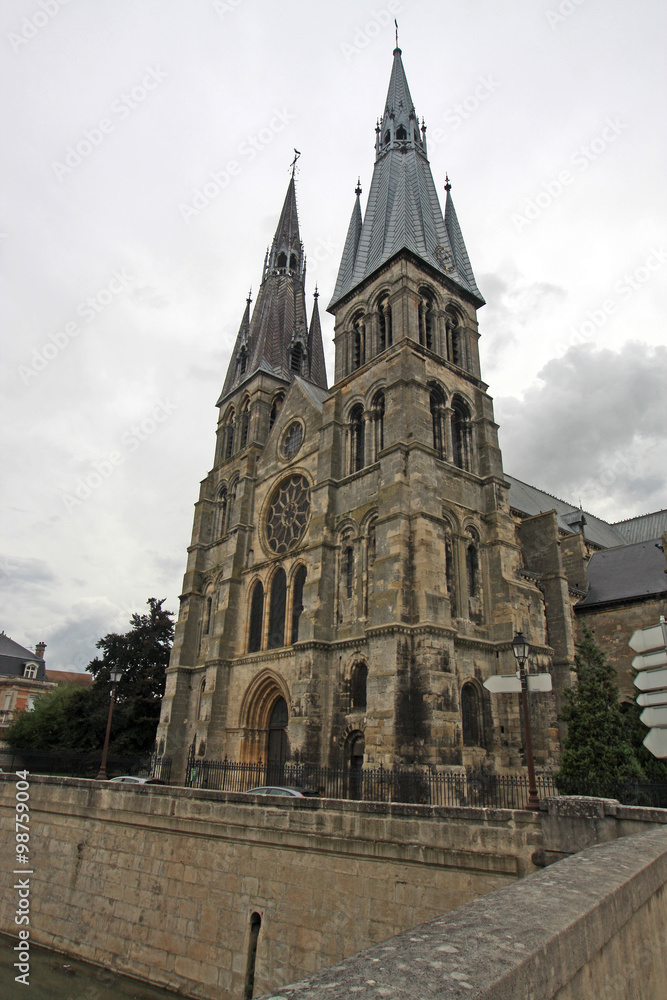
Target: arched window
(378, 422)
(426, 319)
(221, 512)
(462, 435)
(243, 360)
(231, 504)
(202, 688)
(228, 445)
(358, 349)
(358, 680)
(401, 134)
(208, 615)
(292, 262)
(296, 359)
(473, 576)
(387, 137)
(244, 424)
(256, 618)
(277, 610)
(437, 405)
(275, 408)
(455, 339)
(297, 601)
(282, 260)
(349, 571)
(450, 571)
(384, 323)
(470, 716)
(356, 438)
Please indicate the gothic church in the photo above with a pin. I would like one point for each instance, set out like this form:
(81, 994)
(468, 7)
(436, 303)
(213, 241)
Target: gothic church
(357, 568)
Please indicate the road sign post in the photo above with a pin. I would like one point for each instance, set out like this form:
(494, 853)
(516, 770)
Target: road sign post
(522, 683)
(651, 662)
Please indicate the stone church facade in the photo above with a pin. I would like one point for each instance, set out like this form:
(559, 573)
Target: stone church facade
(357, 568)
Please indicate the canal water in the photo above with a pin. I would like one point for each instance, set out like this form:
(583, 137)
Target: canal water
(57, 977)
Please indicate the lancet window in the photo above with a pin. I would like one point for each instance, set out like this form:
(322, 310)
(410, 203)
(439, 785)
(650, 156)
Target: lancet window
(297, 601)
(462, 435)
(256, 618)
(277, 610)
(385, 338)
(438, 405)
(470, 715)
(356, 438)
(378, 422)
(426, 319)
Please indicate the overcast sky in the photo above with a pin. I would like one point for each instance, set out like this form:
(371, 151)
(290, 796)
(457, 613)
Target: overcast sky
(147, 151)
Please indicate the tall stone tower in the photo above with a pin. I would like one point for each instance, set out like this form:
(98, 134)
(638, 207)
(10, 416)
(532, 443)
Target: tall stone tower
(355, 572)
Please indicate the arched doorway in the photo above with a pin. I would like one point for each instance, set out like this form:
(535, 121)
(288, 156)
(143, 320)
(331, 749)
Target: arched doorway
(263, 720)
(277, 745)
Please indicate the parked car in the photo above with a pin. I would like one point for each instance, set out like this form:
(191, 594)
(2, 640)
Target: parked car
(132, 779)
(297, 793)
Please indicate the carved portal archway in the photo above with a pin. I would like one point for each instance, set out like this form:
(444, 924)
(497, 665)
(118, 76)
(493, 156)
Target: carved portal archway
(264, 720)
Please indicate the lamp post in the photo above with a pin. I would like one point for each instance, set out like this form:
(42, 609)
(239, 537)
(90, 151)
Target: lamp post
(521, 650)
(115, 677)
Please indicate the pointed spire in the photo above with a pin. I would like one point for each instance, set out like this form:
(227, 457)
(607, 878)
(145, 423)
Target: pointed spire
(461, 260)
(276, 339)
(346, 269)
(403, 211)
(318, 371)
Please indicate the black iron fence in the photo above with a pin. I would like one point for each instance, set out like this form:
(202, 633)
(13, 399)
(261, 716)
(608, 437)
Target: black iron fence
(445, 788)
(84, 765)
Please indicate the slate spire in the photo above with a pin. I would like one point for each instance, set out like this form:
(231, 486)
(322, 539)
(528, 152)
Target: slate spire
(403, 211)
(276, 339)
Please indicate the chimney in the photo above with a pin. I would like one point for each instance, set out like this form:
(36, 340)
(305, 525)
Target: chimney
(39, 650)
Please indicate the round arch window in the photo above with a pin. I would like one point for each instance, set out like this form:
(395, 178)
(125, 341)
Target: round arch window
(287, 514)
(292, 439)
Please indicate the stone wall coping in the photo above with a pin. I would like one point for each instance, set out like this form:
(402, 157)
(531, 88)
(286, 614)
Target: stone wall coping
(588, 807)
(527, 940)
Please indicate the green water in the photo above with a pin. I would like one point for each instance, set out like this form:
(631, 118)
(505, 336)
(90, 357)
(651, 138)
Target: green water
(57, 977)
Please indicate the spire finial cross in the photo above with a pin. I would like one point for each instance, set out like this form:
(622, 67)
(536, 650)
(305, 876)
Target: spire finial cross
(297, 154)
(396, 23)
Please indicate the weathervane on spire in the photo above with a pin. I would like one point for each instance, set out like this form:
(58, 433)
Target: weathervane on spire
(297, 154)
(448, 184)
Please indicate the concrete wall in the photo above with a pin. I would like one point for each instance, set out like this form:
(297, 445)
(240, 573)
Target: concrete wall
(592, 925)
(161, 883)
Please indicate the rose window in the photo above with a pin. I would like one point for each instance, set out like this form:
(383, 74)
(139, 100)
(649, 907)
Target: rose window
(288, 513)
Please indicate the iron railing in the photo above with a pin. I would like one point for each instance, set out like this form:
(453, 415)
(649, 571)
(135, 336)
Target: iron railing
(444, 788)
(72, 764)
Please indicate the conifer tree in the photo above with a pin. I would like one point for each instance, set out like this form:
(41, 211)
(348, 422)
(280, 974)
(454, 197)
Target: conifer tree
(597, 757)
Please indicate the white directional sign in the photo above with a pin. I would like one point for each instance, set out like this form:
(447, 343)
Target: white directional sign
(654, 716)
(648, 661)
(651, 680)
(654, 637)
(652, 698)
(656, 742)
(510, 683)
(651, 664)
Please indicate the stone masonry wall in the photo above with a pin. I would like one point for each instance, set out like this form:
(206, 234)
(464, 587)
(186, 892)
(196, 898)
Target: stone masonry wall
(161, 883)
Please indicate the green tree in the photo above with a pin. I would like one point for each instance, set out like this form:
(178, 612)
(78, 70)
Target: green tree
(635, 733)
(597, 756)
(75, 718)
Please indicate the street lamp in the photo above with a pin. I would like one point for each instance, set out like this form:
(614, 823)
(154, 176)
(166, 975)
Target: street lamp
(521, 650)
(115, 675)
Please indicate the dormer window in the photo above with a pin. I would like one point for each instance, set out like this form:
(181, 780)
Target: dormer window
(30, 670)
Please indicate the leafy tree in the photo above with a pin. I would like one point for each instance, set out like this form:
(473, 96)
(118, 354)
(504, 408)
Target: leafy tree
(635, 733)
(597, 756)
(75, 718)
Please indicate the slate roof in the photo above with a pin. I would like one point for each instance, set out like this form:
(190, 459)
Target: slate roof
(403, 211)
(643, 528)
(625, 573)
(13, 657)
(279, 317)
(530, 501)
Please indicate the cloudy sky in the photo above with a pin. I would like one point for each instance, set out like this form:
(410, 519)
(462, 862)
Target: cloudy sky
(147, 151)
